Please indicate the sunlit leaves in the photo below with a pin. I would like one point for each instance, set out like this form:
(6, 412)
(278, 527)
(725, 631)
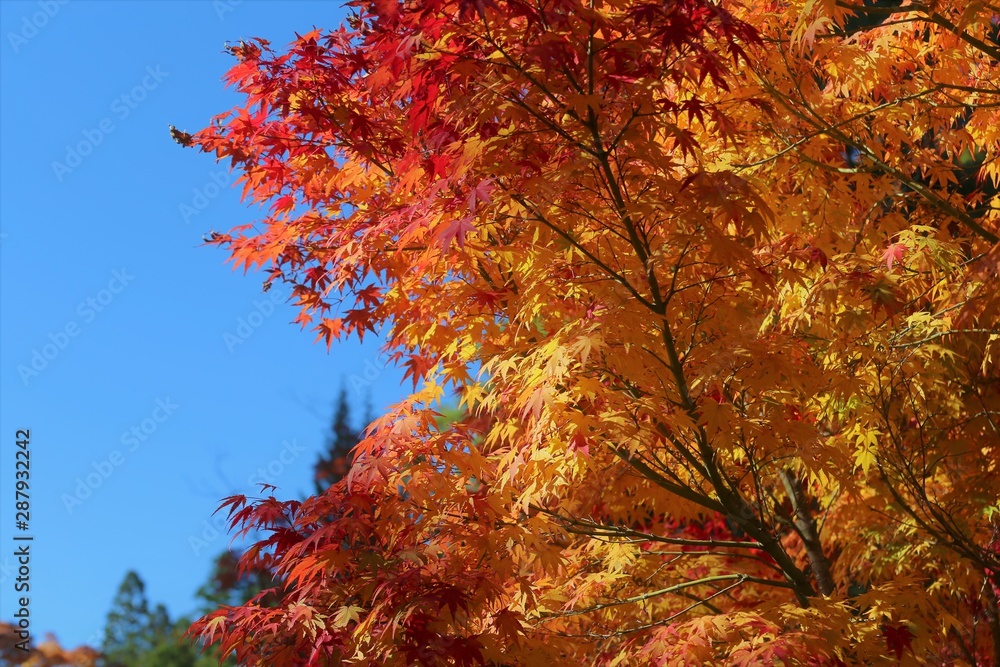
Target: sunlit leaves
(717, 295)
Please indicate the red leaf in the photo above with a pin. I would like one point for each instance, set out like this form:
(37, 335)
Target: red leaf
(457, 231)
(898, 638)
(283, 204)
(894, 253)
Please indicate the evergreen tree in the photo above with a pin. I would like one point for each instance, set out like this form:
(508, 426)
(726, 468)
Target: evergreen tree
(136, 636)
(126, 634)
(334, 463)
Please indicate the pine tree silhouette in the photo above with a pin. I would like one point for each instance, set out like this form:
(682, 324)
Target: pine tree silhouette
(334, 463)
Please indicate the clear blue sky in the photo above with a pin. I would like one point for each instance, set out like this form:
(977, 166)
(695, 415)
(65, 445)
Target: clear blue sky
(113, 318)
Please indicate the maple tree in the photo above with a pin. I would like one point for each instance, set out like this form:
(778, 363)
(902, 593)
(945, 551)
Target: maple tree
(716, 284)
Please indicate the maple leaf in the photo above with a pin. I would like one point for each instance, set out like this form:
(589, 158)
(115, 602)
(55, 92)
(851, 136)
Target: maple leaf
(480, 194)
(893, 254)
(578, 443)
(329, 330)
(417, 367)
(346, 615)
(898, 638)
(456, 230)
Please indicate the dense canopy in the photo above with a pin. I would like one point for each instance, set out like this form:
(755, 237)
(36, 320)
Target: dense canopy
(716, 286)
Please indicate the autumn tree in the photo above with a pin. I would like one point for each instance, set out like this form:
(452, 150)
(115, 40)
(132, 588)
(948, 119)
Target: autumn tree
(17, 651)
(716, 283)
